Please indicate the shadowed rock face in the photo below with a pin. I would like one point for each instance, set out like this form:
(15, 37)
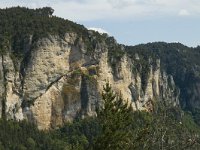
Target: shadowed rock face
(58, 81)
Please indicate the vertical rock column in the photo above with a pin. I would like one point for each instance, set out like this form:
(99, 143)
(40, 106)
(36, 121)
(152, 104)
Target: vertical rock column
(11, 96)
(1, 87)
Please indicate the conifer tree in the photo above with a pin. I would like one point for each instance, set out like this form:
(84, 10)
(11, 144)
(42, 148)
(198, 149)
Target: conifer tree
(115, 117)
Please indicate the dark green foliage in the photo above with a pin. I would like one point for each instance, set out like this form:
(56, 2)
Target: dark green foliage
(177, 60)
(115, 120)
(166, 128)
(196, 115)
(18, 25)
(72, 136)
(81, 132)
(20, 135)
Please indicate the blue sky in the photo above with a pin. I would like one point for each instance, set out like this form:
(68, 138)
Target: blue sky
(131, 22)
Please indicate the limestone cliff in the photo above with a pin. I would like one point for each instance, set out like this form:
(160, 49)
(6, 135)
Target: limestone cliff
(58, 80)
(53, 70)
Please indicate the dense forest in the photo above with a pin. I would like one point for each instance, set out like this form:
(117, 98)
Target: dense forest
(115, 127)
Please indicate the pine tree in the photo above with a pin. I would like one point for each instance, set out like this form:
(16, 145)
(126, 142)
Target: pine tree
(115, 117)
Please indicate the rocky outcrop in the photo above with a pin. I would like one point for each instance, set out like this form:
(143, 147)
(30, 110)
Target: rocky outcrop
(1, 86)
(11, 90)
(60, 81)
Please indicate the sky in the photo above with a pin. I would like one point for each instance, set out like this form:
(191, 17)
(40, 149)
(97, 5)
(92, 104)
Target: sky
(131, 22)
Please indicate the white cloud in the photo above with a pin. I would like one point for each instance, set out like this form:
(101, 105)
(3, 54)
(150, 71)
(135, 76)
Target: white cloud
(86, 10)
(100, 30)
(183, 12)
(25, 3)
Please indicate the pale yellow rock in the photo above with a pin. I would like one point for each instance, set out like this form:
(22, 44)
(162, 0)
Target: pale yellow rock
(42, 108)
(61, 82)
(2, 88)
(12, 99)
(156, 77)
(121, 85)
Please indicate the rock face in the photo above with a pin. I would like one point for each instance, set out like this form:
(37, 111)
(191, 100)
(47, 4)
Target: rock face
(60, 81)
(1, 87)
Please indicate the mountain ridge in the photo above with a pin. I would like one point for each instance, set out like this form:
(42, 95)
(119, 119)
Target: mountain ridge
(53, 70)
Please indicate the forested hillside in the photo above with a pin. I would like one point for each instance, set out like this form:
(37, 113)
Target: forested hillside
(181, 62)
(65, 87)
(115, 127)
